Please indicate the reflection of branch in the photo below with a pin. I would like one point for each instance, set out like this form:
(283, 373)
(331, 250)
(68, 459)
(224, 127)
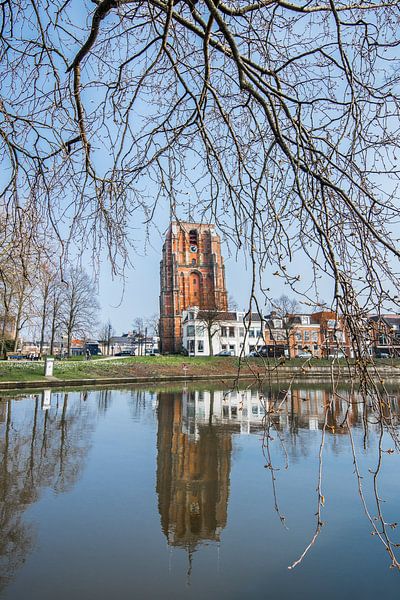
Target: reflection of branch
(382, 534)
(320, 496)
(268, 423)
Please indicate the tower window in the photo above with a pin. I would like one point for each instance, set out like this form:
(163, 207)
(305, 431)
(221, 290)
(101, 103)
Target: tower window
(193, 237)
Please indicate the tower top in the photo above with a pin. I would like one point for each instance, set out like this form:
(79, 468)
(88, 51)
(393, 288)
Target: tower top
(177, 226)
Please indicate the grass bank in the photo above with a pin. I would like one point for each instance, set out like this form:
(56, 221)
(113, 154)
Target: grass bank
(163, 367)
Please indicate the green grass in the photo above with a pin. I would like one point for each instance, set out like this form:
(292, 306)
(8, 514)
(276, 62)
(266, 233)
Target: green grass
(151, 366)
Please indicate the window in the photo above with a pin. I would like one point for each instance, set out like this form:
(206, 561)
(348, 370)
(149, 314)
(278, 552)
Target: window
(223, 346)
(231, 332)
(259, 333)
(277, 323)
(241, 331)
(315, 336)
(193, 237)
(297, 336)
(223, 331)
(306, 336)
(193, 262)
(305, 320)
(199, 330)
(200, 346)
(194, 280)
(331, 323)
(191, 316)
(251, 333)
(190, 330)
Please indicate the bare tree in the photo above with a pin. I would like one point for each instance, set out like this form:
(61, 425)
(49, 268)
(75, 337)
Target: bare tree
(140, 333)
(153, 323)
(232, 304)
(288, 110)
(80, 305)
(56, 299)
(105, 334)
(46, 283)
(211, 319)
(285, 309)
(287, 160)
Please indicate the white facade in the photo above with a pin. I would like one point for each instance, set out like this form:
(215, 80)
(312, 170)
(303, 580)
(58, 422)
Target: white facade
(228, 335)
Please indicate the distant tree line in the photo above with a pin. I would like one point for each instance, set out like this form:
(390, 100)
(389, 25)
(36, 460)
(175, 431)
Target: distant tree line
(38, 295)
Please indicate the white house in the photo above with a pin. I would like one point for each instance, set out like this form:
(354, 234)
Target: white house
(230, 331)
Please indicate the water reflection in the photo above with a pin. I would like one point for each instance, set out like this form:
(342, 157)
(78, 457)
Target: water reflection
(193, 467)
(190, 436)
(194, 445)
(43, 443)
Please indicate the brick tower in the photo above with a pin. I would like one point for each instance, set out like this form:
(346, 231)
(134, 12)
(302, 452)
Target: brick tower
(192, 273)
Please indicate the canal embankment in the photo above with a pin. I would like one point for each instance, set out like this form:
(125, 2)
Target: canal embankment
(137, 370)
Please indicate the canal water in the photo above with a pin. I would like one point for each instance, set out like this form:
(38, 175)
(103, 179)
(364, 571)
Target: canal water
(194, 493)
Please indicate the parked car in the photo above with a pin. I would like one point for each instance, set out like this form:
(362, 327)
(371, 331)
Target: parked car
(304, 355)
(337, 355)
(125, 353)
(152, 352)
(225, 353)
(253, 354)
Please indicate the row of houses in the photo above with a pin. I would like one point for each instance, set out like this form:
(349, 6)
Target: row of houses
(127, 343)
(322, 334)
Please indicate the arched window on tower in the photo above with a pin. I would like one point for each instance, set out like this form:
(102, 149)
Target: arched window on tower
(195, 288)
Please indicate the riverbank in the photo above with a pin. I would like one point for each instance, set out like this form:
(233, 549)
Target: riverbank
(22, 374)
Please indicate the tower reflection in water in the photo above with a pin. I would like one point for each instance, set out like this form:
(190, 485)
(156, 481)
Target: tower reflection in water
(193, 467)
(195, 438)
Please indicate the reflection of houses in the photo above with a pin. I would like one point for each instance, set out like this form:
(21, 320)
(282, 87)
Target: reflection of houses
(193, 467)
(246, 411)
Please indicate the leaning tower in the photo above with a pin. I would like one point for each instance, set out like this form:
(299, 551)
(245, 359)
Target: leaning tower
(192, 273)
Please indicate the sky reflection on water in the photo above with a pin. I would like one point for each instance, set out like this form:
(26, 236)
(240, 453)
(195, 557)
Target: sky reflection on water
(168, 494)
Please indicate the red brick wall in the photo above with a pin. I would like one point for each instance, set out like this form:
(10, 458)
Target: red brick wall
(189, 278)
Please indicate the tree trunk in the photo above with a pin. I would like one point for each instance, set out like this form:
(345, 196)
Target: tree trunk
(288, 344)
(210, 339)
(18, 324)
(69, 340)
(3, 334)
(44, 314)
(53, 333)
